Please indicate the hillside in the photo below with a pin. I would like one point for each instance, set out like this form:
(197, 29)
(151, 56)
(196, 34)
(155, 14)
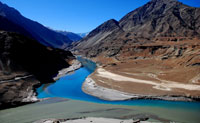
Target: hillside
(158, 42)
(44, 35)
(24, 64)
(156, 21)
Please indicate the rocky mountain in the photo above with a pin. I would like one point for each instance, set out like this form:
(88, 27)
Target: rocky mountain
(97, 36)
(156, 21)
(158, 42)
(72, 36)
(24, 63)
(161, 18)
(44, 35)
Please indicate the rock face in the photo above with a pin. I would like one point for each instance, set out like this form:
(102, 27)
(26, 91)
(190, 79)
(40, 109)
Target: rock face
(156, 21)
(92, 43)
(159, 41)
(23, 63)
(99, 33)
(161, 18)
(44, 35)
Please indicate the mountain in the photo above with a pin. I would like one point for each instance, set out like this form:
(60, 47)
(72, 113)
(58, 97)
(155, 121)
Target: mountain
(72, 36)
(12, 27)
(96, 36)
(24, 64)
(152, 51)
(155, 21)
(161, 18)
(44, 35)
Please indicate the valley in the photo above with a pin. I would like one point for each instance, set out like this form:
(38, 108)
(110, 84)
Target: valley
(143, 67)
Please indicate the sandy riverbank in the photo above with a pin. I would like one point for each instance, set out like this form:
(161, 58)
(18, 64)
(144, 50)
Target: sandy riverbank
(166, 90)
(90, 87)
(164, 85)
(92, 120)
(75, 65)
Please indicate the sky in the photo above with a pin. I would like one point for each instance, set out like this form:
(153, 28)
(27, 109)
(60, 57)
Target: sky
(78, 16)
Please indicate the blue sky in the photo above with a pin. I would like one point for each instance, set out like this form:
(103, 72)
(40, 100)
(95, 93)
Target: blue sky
(78, 15)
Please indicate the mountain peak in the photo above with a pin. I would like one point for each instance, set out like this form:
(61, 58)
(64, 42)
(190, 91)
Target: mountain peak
(155, 20)
(168, 2)
(107, 26)
(164, 0)
(112, 23)
(160, 18)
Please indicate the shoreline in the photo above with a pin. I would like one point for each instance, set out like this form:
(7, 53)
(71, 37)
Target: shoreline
(75, 66)
(30, 95)
(90, 87)
(25, 94)
(93, 119)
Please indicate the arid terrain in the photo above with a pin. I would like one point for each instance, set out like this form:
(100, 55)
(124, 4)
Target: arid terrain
(158, 44)
(172, 69)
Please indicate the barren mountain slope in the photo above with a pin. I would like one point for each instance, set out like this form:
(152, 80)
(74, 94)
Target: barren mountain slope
(159, 41)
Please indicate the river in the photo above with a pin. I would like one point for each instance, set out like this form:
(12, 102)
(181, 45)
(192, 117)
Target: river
(79, 104)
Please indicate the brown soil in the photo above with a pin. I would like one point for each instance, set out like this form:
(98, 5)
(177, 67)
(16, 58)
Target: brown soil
(152, 67)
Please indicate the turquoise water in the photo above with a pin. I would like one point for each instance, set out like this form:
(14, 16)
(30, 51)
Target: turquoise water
(83, 105)
(70, 85)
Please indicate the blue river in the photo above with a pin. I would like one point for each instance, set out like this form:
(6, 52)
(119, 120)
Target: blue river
(70, 86)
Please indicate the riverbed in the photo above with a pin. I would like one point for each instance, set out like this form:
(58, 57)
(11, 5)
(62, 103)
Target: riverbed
(73, 102)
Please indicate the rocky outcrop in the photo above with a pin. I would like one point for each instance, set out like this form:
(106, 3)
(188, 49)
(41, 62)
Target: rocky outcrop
(23, 64)
(161, 18)
(18, 92)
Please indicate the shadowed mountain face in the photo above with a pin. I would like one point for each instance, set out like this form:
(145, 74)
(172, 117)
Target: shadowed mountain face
(43, 62)
(23, 57)
(12, 27)
(158, 20)
(44, 35)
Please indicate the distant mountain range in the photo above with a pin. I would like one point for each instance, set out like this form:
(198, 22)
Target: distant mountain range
(83, 34)
(72, 36)
(31, 28)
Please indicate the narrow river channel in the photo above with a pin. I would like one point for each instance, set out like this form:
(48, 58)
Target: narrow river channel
(78, 104)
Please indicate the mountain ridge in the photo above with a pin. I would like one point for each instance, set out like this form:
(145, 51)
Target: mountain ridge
(38, 31)
(158, 42)
(154, 21)
(24, 65)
